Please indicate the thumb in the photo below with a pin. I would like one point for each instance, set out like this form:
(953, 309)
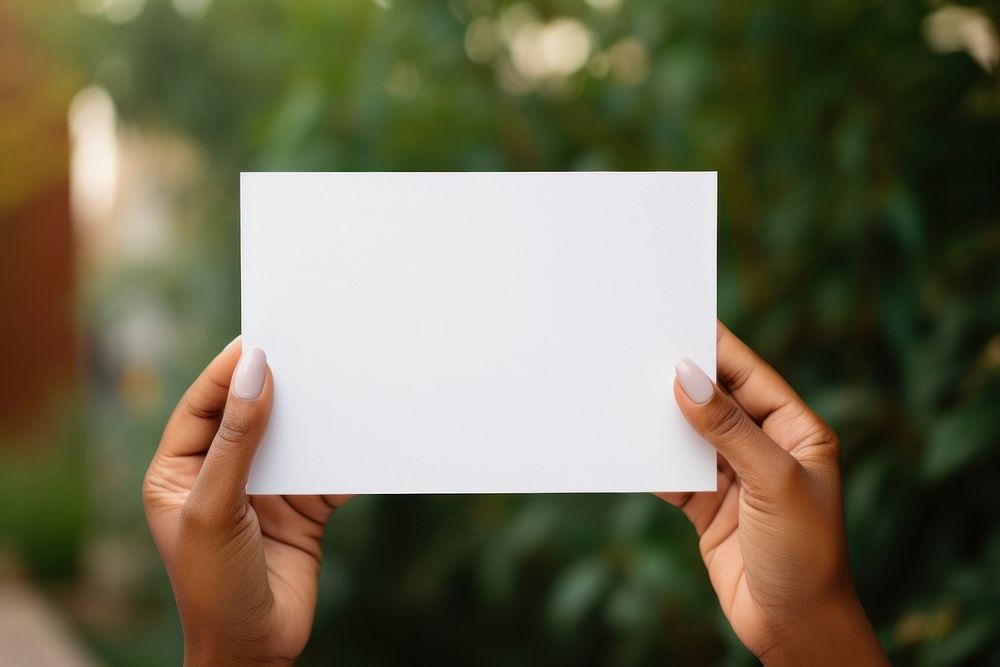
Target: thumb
(221, 484)
(759, 462)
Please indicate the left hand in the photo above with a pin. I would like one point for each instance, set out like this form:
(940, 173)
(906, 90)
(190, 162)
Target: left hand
(244, 569)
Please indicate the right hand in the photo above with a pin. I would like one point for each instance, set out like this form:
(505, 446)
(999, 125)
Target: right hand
(772, 536)
(244, 569)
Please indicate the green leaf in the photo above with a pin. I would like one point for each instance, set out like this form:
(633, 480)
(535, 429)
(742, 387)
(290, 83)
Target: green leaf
(963, 436)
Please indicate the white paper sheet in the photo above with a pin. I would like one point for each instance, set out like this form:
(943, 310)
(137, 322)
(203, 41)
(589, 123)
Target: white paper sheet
(479, 332)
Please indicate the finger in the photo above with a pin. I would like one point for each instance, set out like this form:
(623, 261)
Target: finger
(221, 484)
(298, 521)
(336, 501)
(196, 417)
(759, 462)
(771, 402)
(755, 386)
(700, 507)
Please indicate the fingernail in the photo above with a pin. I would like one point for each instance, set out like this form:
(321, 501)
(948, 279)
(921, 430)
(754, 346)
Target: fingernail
(694, 382)
(250, 372)
(233, 342)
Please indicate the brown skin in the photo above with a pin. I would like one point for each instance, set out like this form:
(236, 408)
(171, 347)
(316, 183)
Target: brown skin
(772, 536)
(244, 569)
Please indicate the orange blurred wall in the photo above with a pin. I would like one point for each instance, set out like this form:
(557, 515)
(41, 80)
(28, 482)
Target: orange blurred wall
(38, 354)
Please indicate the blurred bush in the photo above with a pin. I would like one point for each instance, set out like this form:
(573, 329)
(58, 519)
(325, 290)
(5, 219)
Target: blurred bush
(858, 149)
(43, 496)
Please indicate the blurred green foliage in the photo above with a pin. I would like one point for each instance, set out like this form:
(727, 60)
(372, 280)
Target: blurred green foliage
(859, 253)
(44, 494)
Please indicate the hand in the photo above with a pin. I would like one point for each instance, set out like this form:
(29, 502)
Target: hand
(772, 535)
(244, 570)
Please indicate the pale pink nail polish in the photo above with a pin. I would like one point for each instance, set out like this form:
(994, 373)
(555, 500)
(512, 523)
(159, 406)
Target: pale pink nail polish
(250, 372)
(694, 382)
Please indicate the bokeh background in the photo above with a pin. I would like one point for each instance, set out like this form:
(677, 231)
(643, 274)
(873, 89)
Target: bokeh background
(858, 150)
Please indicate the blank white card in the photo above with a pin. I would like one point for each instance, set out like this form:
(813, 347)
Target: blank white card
(479, 332)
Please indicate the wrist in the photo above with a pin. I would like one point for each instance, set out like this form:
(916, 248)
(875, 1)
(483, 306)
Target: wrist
(836, 632)
(203, 653)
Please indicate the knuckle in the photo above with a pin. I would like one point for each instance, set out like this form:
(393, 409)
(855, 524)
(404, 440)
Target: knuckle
(737, 377)
(728, 423)
(832, 442)
(822, 440)
(828, 445)
(197, 519)
(234, 430)
(778, 481)
(154, 487)
(147, 490)
(786, 474)
(198, 407)
(211, 518)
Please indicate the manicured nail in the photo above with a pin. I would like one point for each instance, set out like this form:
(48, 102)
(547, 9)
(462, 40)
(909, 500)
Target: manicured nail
(694, 382)
(233, 342)
(250, 372)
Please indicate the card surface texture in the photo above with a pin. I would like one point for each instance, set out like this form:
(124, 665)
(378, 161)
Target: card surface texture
(479, 332)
